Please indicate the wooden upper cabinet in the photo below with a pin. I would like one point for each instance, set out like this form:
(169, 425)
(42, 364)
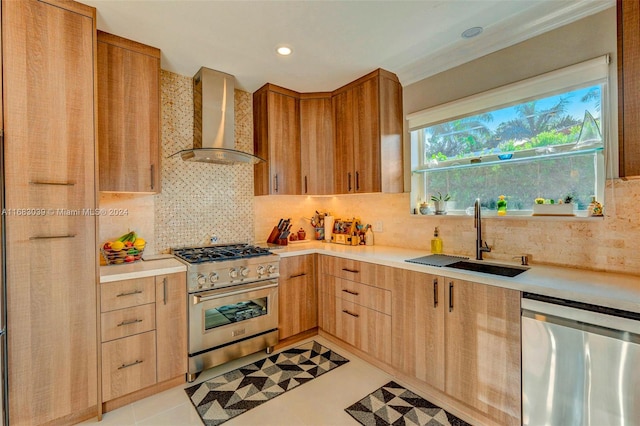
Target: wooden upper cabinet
(316, 144)
(276, 138)
(368, 134)
(128, 115)
(629, 87)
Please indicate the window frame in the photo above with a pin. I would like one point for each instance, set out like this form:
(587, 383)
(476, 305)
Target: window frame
(583, 74)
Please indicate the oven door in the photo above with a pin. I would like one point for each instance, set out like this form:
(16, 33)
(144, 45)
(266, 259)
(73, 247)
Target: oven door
(218, 317)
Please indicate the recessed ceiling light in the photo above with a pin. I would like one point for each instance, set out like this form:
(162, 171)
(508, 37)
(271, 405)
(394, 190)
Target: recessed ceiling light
(471, 32)
(284, 50)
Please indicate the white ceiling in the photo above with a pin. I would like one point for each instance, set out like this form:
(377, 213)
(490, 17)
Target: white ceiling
(334, 42)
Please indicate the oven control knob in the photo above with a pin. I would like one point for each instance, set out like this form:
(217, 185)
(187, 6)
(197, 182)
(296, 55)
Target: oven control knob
(260, 270)
(233, 273)
(213, 277)
(244, 271)
(201, 280)
(271, 269)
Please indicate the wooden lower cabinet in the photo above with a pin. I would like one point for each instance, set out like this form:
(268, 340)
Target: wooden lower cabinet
(297, 296)
(144, 335)
(418, 326)
(460, 338)
(357, 313)
(482, 349)
(128, 364)
(171, 325)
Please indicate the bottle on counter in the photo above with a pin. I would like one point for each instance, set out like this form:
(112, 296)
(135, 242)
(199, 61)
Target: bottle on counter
(368, 237)
(502, 206)
(436, 242)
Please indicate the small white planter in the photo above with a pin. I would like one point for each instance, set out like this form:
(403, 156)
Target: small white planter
(554, 209)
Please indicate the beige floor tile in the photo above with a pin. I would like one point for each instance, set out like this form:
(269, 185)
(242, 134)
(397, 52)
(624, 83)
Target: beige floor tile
(320, 402)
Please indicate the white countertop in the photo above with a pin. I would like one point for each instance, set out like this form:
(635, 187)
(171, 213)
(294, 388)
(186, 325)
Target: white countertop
(149, 268)
(599, 288)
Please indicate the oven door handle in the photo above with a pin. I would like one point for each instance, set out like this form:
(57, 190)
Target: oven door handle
(199, 299)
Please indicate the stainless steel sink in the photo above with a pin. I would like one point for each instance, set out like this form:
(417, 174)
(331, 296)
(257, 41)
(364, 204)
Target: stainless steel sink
(489, 268)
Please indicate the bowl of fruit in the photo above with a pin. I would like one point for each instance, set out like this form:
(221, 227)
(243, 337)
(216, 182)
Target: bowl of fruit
(126, 249)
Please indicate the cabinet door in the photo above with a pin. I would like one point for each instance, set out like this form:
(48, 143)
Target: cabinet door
(628, 87)
(284, 143)
(51, 259)
(364, 328)
(418, 326)
(344, 133)
(316, 146)
(128, 115)
(327, 303)
(482, 355)
(366, 146)
(297, 296)
(171, 325)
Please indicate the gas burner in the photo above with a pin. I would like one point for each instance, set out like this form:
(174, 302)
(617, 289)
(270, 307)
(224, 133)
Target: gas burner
(219, 253)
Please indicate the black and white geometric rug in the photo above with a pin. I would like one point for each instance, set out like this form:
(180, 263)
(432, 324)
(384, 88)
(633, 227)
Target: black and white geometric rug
(229, 395)
(394, 405)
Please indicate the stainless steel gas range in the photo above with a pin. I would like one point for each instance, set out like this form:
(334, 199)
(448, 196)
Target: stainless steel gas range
(233, 303)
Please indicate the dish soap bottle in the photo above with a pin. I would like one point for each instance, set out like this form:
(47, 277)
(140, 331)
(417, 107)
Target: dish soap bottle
(502, 206)
(436, 242)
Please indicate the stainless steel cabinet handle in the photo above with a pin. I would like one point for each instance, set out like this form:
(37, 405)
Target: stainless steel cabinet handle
(351, 313)
(153, 176)
(355, 271)
(136, 362)
(129, 293)
(357, 181)
(349, 181)
(305, 185)
(49, 237)
(164, 290)
(450, 296)
(128, 322)
(435, 292)
(298, 275)
(276, 182)
(355, 293)
(51, 183)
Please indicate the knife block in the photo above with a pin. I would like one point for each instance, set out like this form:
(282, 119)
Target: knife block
(273, 236)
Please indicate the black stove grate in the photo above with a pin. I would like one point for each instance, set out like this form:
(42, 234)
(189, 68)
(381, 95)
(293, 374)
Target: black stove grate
(219, 253)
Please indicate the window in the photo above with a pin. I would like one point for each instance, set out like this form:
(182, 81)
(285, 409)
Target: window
(540, 138)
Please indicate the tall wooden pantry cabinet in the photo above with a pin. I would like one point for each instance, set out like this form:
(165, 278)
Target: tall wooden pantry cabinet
(48, 73)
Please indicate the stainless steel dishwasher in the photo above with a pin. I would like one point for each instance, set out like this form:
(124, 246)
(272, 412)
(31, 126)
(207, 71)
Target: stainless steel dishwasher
(580, 364)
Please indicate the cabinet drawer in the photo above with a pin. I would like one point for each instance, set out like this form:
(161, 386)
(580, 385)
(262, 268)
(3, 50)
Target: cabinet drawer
(365, 295)
(352, 270)
(124, 294)
(128, 364)
(366, 329)
(128, 321)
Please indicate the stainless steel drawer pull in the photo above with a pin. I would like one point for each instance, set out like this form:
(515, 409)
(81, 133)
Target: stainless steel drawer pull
(164, 290)
(354, 271)
(129, 293)
(298, 275)
(355, 293)
(136, 362)
(435, 292)
(129, 322)
(350, 313)
(450, 296)
(50, 237)
(51, 183)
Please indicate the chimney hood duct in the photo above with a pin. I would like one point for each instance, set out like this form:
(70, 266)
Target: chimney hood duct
(213, 121)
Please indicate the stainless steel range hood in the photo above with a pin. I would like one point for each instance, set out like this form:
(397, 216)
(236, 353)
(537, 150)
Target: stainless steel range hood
(213, 121)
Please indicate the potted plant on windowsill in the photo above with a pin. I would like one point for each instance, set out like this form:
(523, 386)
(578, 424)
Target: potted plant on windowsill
(564, 207)
(440, 203)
